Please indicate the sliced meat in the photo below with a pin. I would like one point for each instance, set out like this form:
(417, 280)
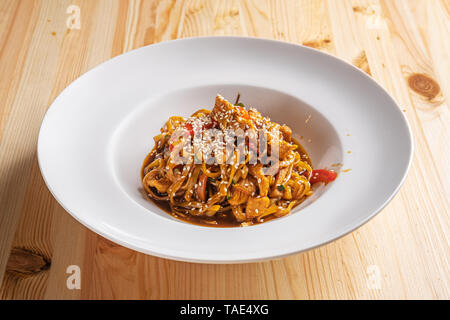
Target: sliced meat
(284, 149)
(241, 192)
(263, 182)
(279, 180)
(286, 132)
(227, 115)
(256, 206)
(238, 213)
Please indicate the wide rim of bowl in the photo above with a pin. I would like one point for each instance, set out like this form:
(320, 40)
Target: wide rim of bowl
(187, 258)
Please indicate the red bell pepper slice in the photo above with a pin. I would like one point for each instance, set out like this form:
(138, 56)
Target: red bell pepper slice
(322, 175)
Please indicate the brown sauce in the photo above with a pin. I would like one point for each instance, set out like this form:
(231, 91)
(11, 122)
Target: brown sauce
(220, 219)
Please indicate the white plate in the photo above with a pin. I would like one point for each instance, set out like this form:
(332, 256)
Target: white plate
(97, 133)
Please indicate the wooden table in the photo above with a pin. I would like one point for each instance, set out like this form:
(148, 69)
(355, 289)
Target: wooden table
(403, 253)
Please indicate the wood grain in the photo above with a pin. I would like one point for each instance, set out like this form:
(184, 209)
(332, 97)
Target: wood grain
(403, 253)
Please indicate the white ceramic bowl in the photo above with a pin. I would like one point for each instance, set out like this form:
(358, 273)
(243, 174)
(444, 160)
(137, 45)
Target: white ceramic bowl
(96, 134)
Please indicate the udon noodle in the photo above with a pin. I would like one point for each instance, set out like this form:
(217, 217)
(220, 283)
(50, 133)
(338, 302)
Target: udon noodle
(241, 191)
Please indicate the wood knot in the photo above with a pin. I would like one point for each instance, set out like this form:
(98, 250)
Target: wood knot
(424, 85)
(317, 44)
(359, 9)
(104, 245)
(370, 10)
(362, 63)
(25, 263)
(195, 9)
(234, 12)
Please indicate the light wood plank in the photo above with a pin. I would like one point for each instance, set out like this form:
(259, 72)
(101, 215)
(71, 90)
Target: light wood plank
(18, 144)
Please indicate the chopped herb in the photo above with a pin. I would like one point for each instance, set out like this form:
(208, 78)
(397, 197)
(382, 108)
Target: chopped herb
(240, 104)
(233, 181)
(211, 179)
(280, 187)
(228, 196)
